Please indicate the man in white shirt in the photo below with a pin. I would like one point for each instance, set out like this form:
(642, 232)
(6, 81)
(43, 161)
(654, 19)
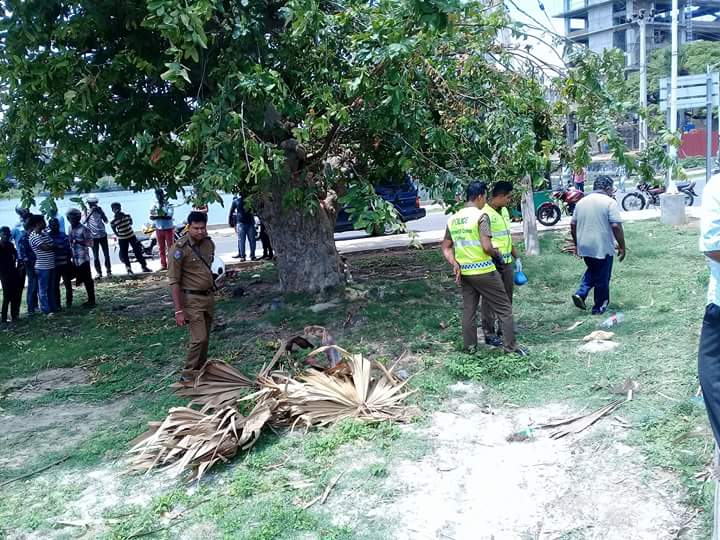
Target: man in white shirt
(595, 226)
(709, 350)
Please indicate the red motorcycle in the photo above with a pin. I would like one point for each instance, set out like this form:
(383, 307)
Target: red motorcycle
(549, 212)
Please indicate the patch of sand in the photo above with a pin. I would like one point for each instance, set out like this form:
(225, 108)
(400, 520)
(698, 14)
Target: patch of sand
(475, 485)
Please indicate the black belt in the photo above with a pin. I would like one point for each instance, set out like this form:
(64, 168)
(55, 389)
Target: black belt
(199, 293)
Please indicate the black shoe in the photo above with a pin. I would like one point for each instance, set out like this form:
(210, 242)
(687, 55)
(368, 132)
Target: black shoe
(493, 341)
(253, 258)
(146, 269)
(130, 272)
(600, 310)
(237, 256)
(579, 301)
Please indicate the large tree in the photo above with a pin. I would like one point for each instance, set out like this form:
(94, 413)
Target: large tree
(291, 102)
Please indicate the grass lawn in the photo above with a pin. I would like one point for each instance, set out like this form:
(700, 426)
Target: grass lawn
(78, 387)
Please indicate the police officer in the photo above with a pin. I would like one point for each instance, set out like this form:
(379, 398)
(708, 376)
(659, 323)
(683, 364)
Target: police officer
(468, 248)
(193, 286)
(497, 212)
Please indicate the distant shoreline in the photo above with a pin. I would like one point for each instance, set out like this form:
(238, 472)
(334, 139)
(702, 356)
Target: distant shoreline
(15, 193)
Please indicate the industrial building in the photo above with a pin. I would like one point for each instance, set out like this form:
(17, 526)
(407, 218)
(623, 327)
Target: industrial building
(603, 24)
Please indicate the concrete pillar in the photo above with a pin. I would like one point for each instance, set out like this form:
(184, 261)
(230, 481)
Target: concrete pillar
(672, 209)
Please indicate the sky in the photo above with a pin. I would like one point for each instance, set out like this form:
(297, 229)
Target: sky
(532, 10)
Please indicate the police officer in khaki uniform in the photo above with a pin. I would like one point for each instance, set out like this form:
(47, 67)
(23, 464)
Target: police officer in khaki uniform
(193, 286)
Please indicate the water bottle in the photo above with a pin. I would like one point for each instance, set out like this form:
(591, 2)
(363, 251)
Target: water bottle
(613, 320)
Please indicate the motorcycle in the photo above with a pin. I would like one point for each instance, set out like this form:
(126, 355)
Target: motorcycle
(647, 195)
(148, 240)
(549, 212)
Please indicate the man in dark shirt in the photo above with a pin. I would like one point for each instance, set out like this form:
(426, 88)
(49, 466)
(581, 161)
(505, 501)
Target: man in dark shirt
(9, 277)
(63, 262)
(243, 221)
(27, 259)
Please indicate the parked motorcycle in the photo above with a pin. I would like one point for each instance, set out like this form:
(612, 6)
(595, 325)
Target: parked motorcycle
(549, 212)
(647, 195)
(148, 240)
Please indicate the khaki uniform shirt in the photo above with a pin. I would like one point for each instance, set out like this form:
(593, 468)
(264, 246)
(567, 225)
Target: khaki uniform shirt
(185, 269)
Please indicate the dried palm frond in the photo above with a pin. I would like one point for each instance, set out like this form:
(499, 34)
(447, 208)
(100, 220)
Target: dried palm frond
(580, 423)
(318, 398)
(192, 439)
(216, 385)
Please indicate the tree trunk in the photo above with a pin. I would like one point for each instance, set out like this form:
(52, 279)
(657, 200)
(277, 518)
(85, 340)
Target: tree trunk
(304, 245)
(530, 232)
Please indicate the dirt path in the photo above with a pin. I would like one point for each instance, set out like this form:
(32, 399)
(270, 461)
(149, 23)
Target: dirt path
(475, 485)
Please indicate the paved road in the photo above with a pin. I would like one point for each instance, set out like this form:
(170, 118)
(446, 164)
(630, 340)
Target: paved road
(226, 240)
(428, 230)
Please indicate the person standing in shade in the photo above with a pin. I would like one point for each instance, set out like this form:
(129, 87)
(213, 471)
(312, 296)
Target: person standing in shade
(265, 241)
(244, 223)
(19, 229)
(81, 241)
(19, 234)
(27, 256)
(595, 226)
(497, 212)
(579, 179)
(63, 263)
(162, 215)
(9, 277)
(468, 248)
(95, 220)
(44, 249)
(121, 225)
(54, 214)
(193, 287)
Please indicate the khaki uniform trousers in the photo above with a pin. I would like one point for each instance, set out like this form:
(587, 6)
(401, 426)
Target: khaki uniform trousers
(487, 316)
(199, 315)
(491, 289)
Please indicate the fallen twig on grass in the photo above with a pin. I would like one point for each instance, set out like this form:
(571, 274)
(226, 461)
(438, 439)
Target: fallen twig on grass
(36, 471)
(140, 534)
(324, 495)
(573, 326)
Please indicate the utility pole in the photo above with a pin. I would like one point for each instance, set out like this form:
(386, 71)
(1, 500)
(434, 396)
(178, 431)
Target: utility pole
(642, 124)
(673, 93)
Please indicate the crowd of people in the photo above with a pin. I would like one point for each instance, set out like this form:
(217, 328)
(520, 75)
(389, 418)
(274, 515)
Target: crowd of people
(42, 255)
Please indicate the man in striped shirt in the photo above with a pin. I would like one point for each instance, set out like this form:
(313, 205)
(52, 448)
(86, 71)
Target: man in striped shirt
(121, 225)
(44, 249)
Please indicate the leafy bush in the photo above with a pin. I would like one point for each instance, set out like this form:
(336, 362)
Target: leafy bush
(497, 366)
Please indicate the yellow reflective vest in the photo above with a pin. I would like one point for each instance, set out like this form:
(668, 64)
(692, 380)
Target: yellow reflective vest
(465, 233)
(500, 230)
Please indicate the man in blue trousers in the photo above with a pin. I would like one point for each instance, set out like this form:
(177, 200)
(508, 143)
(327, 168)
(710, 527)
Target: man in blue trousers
(709, 351)
(595, 227)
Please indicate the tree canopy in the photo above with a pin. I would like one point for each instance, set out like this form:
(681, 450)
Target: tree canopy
(693, 59)
(291, 102)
